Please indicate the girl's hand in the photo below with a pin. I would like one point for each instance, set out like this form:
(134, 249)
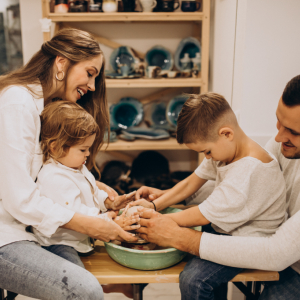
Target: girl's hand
(127, 223)
(111, 192)
(142, 202)
(119, 201)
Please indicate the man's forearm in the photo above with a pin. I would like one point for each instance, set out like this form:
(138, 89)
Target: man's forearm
(187, 240)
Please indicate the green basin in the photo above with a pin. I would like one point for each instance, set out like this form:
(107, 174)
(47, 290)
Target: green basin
(147, 259)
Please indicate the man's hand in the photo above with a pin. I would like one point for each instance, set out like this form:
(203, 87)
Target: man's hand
(111, 192)
(163, 231)
(119, 201)
(148, 193)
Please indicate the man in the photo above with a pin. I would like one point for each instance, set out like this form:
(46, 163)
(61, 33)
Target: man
(278, 252)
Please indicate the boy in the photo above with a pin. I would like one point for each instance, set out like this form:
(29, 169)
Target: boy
(249, 194)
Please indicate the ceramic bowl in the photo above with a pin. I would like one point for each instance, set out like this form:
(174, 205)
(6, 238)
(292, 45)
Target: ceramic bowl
(188, 45)
(158, 114)
(173, 109)
(126, 113)
(147, 259)
(123, 55)
(146, 133)
(161, 57)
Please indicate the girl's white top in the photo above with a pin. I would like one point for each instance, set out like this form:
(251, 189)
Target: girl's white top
(75, 190)
(275, 252)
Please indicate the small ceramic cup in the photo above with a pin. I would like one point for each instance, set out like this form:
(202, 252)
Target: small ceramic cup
(152, 71)
(168, 5)
(124, 69)
(109, 6)
(148, 5)
(190, 5)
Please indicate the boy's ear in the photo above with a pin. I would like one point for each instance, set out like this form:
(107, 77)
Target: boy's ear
(226, 132)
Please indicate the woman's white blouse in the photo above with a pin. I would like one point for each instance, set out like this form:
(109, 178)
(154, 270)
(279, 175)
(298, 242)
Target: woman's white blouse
(21, 203)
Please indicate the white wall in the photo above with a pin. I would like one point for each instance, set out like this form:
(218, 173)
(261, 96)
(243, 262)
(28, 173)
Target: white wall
(266, 57)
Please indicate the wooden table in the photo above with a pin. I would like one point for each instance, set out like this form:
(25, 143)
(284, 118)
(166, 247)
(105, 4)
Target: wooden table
(107, 271)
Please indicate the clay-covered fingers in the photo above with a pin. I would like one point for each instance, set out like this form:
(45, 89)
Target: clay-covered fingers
(126, 236)
(148, 214)
(131, 196)
(131, 223)
(142, 202)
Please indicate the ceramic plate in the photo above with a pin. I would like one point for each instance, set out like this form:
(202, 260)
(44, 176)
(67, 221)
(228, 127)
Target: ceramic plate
(173, 109)
(126, 113)
(146, 133)
(158, 114)
(188, 45)
(122, 55)
(114, 75)
(159, 56)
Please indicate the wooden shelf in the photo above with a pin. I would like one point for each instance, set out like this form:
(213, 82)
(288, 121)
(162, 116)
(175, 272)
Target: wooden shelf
(139, 144)
(126, 16)
(161, 82)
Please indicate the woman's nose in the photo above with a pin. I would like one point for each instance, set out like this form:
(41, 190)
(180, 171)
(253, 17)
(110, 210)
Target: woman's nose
(91, 85)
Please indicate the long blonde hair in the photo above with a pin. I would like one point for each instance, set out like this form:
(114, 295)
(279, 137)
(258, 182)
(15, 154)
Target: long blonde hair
(77, 46)
(66, 124)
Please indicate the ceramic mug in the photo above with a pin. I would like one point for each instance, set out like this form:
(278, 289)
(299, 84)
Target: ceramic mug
(148, 5)
(168, 5)
(152, 71)
(109, 6)
(190, 5)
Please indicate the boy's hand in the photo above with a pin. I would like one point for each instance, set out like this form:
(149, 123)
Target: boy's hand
(126, 223)
(119, 201)
(142, 202)
(110, 191)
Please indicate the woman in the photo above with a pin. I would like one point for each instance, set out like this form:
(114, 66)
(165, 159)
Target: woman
(70, 67)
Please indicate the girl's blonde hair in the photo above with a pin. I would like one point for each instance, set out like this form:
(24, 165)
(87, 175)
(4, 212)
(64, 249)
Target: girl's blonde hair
(77, 46)
(66, 124)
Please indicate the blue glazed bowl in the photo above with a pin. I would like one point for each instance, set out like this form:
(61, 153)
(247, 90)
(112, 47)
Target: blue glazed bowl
(126, 113)
(124, 56)
(159, 56)
(173, 109)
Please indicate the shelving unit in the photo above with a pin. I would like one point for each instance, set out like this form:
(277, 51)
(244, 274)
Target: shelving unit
(200, 22)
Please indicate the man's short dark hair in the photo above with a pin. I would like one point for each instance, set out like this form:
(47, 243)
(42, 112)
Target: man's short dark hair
(291, 93)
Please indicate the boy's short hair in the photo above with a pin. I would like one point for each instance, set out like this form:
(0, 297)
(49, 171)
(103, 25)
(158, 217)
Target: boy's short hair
(201, 116)
(291, 93)
(67, 124)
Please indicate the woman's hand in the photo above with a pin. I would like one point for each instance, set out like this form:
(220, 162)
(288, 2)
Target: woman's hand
(148, 193)
(110, 191)
(142, 202)
(119, 201)
(127, 223)
(98, 228)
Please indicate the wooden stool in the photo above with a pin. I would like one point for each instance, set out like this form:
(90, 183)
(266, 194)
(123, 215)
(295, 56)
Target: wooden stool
(107, 271)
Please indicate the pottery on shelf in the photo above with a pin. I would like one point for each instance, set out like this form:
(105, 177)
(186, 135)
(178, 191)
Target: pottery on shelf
(145, 133)
(159, 56)
(185, 62)
(173, 109)
(197, 62)
(189, 45)
(126, 113)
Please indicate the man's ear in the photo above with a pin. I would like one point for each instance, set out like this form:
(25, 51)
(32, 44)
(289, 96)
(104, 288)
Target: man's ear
(227, 133)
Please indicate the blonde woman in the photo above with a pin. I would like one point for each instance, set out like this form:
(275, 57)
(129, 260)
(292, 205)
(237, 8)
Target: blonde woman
(71, 67)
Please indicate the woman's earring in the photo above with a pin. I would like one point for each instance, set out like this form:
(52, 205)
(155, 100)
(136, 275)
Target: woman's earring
(63, 75)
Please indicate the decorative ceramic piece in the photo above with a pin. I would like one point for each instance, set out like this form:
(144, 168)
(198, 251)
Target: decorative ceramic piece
(126, 113)
(197, 62)
(146, 133)
(189, 45)
(186, 62)
(161, 57)
(190, 5)
(146, 259)
(152, 71)
(173, 109)
(123, 56)
(109, 6)
(148, 5)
